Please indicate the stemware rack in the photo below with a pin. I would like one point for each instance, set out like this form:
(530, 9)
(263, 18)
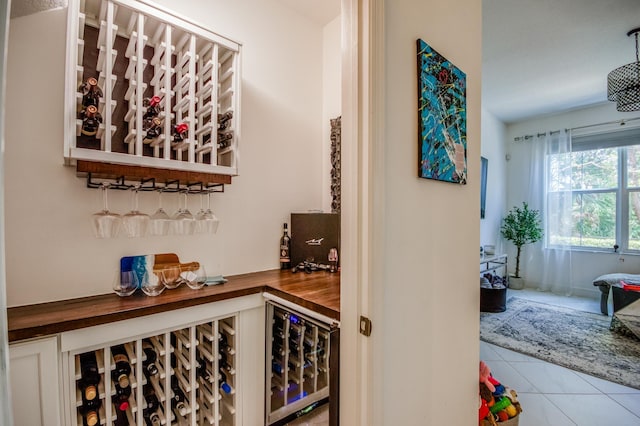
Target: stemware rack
(136, 50)
(146, 179)
(182, 354)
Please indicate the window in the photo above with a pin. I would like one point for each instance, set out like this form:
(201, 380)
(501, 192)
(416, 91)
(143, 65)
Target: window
(593, 193)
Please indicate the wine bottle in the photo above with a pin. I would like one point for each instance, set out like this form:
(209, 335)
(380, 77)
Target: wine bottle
(121, 418)
(224, 120)
(151, 399)
(151, 418)
(91, 120)
(149, 413)
(178, 399)
(223, 344)
(285, 249)
(90, 412)
(225, 365)
(122, 367)
(276, 367)
(224, 386)
(202, 370)
(149, 365)
(90, 376)
(121, 398)
(91, 92)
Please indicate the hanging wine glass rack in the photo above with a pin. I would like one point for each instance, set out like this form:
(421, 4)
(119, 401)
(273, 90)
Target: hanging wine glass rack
(127, 177)
(146, 87)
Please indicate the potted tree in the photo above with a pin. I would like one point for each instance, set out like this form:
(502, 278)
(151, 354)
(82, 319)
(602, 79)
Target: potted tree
(521, 226)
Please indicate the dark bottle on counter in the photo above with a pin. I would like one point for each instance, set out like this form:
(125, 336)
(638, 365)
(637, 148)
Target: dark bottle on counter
(90, 376)
(149, 366)
(90, 411)
(285, 249)
(178, 400)
(122, 366)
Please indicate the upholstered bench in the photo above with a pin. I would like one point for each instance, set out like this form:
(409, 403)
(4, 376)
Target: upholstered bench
(605, 282)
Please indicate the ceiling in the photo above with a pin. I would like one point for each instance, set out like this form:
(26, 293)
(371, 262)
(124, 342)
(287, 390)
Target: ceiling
(547, 56)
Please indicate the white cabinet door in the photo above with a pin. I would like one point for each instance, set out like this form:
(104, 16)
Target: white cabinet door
(33, 370)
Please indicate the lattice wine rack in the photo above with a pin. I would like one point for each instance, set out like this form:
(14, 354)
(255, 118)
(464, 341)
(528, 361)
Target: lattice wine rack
(145, 87)
(181, 377)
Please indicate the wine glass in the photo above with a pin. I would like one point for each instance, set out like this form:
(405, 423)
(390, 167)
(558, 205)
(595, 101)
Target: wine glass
(135, 222)
(206, 221)
(125, 283)
(170, 276)
(152, 284)
(194, 275)
(183, 221)
(160, 221)
(106, 224)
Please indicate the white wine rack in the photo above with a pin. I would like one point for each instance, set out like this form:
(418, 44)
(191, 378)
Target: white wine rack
(136, 50)
(298, 365)
(182, 354)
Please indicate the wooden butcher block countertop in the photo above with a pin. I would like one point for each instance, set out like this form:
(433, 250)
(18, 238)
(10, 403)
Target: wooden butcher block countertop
(318, 291)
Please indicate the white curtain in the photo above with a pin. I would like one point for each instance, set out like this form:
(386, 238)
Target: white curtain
(547, 265)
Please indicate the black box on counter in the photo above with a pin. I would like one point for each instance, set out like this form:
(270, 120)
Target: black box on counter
(313, 235)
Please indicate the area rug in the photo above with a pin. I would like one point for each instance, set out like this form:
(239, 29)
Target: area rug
(574, 339)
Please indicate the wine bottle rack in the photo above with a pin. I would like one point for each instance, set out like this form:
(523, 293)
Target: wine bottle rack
(137, 51)
(299, 362)
(200, 359)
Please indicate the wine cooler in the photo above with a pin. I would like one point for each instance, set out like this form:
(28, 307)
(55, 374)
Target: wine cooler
(298, 361)
(179, 377)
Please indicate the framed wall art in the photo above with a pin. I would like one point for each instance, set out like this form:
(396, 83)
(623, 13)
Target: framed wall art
(442, 117)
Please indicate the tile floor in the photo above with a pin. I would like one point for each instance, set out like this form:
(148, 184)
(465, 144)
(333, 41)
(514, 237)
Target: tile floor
(556, 396)
(550, 395)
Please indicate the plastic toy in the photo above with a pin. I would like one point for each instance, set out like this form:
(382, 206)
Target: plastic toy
(485, 374)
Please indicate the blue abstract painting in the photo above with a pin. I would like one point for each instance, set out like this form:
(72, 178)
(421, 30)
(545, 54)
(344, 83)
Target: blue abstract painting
(442, 112)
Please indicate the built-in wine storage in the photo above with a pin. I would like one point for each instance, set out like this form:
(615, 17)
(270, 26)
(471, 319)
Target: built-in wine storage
(298, 362)
(146, 87)
(179, 377)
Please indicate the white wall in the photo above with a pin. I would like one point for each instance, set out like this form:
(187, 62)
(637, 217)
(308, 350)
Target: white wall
(331, 100)
(428, 320)
(493, 137)
(585, 266)
(51, 252)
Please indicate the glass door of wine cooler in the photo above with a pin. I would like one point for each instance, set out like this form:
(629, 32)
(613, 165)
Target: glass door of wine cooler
(297, 369)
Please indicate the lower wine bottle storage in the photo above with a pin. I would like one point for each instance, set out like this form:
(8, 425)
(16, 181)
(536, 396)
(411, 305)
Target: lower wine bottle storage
(185, 376)
(299, 362)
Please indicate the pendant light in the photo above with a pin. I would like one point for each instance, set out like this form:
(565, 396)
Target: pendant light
(623, 84)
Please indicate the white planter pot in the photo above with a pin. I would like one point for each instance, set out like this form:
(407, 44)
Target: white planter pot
(516, 283)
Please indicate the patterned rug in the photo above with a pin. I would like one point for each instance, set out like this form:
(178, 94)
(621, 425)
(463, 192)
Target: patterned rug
(574, 339)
